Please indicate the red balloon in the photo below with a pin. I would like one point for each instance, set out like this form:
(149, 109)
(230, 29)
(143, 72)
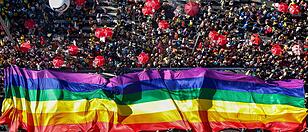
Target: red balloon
(255, 39)
(25, 47)
(213, 35)
(107, 32)
(222, 40)
(154, 4)
(80, 2)
(191, 8)
(147, 11)
(57, 62)
(29, 24)
(98, 33)
(73, 49)
(163, 24)
(143, 58)
(103, 32)
(99, 61)
(294, 9)
(276, 49)
(283, 7)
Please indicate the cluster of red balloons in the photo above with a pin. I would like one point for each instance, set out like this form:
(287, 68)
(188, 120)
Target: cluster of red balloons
(73, 50)
(58, 62)
(104, 32)
(143, 58)
(163, 24)
(191, 8)
(25, 47)
(150, 7)
(222, 40)
(99, 61)
(283, 7)
(213, 35)
(217, 38)
(293, 8)
(255, 39)
(276, 49)
(153, 3)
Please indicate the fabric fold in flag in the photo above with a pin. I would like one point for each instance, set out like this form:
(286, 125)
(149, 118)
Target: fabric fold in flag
(197, 99)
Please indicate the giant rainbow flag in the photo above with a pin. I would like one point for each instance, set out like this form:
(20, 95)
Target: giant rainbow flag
(197, 99)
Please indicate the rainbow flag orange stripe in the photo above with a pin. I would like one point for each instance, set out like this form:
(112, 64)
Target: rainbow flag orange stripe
(198, 99)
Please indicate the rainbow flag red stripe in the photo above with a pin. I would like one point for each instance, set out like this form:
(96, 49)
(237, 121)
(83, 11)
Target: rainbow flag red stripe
(197, 99)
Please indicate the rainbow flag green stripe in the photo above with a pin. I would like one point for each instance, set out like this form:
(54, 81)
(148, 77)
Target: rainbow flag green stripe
(197, 99)
(156, 95)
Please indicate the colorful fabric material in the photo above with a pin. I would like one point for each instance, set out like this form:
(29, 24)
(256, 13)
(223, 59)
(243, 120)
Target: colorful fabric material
(198, 99)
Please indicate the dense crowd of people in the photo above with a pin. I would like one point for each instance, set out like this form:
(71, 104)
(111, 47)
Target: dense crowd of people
(185, 43)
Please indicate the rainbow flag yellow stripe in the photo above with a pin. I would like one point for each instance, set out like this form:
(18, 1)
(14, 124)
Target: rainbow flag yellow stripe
(149, 107)
(196, 99)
